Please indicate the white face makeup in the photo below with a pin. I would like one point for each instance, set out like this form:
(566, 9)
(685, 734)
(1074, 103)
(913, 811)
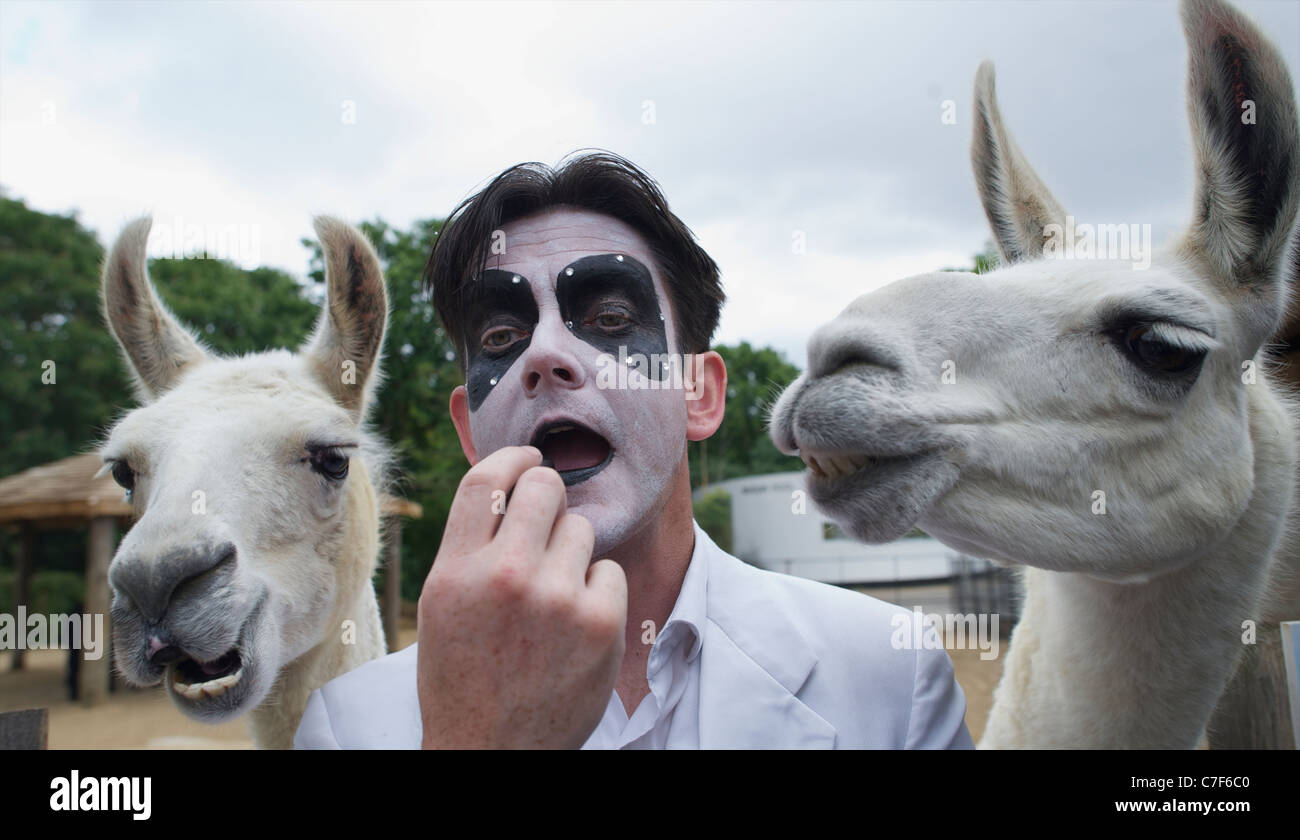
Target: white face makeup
(572, 287)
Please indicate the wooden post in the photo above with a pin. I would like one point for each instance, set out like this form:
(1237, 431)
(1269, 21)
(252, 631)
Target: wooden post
(92, 676)
(25, 730)
(1252, 713)
(23, 579)
(392, 597)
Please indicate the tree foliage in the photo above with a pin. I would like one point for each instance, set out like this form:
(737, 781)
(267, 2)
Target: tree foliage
(59, 368)
(741, 446)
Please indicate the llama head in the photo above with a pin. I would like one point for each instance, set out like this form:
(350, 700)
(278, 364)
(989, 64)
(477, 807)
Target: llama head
(249, 480)
(1074, 414)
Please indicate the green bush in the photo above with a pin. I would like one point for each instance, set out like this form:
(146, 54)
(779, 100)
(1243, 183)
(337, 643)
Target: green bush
(713, 512)
(50, 592)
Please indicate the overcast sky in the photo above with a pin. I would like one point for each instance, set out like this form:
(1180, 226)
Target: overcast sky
(759, 120)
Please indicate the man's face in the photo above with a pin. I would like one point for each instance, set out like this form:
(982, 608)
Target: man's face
(542, 325)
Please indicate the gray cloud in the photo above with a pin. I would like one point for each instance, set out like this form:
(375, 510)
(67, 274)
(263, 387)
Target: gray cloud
(769, 118)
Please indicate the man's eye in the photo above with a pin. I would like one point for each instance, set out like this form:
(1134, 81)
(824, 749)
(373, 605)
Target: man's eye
(501, 338)
(611, 320)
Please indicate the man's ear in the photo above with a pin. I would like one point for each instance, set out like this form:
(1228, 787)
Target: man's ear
(460, 419)
(706, 395)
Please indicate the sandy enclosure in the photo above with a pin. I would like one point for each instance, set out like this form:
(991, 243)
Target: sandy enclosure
(146, 719)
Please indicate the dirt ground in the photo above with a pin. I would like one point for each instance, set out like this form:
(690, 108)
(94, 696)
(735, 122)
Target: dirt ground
(146, 719)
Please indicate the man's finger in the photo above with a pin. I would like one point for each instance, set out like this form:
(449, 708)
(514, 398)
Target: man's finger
(481, 499)
(537, 502)
(607, 582)
(571, 544)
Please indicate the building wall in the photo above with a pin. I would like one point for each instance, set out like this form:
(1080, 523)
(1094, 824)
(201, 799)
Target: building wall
(776, 526)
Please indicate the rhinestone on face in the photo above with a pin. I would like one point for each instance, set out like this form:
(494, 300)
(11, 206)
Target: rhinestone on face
(493, 381)
(568, 272)
(661, 316)
(619, 258)
(515, 279)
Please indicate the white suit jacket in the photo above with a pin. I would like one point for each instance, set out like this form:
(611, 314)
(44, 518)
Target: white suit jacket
(785, 663)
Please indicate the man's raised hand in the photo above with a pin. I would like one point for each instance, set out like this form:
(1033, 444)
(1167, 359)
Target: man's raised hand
(521, 635)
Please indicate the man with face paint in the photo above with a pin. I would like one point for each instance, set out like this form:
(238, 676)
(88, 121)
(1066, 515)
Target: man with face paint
(573, 601)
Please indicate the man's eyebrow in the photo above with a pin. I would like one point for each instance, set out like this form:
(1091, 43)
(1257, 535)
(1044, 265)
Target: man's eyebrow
(489, 280)
(608, 262)
(500, 275)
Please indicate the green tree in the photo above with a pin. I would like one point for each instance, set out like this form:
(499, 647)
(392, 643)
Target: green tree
(713, 512)
(741, 446)
(59, 371)
(234, 310)
(985, 261)
(59, 368)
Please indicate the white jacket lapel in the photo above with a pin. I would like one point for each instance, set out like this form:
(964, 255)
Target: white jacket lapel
(752, 664)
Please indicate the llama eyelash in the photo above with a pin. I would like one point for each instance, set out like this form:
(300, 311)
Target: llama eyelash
(1186, 338)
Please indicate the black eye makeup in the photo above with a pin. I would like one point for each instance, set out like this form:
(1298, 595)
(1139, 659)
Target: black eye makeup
(609, 301)
(606, 300)
(500, 315)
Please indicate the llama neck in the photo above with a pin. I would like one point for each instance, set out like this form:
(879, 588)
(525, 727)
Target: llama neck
(1106, 665)
(1141, 665)
(353, 633)
(274, 723)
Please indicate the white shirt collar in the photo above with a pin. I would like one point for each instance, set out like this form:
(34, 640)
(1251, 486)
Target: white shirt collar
(688, 615)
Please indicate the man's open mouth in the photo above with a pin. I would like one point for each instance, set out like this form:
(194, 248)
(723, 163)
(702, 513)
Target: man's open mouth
(573, 450)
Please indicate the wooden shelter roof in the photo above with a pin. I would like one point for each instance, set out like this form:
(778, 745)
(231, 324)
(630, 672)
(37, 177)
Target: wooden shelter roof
(64, 491)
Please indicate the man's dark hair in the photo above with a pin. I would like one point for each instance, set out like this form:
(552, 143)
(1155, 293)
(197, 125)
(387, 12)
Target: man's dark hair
(601, 182)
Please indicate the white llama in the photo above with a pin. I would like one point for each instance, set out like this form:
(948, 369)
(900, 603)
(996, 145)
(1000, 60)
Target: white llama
(245, 582)
(1254, 711)
(1106, 427)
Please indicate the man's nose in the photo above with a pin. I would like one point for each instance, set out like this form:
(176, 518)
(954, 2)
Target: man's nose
(150, 582)
(552, 358)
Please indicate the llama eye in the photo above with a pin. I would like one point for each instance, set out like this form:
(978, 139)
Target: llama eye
(123, 475)
(331, 463)
(1155, 355)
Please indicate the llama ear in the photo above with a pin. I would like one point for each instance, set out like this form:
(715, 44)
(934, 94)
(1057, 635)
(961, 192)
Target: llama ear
(1018, 206)
(158, 349)
(1243, 114)
(345, 349)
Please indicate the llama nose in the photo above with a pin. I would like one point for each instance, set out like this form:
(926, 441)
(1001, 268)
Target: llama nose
(848, 343)
(151, 582)
(162, 650)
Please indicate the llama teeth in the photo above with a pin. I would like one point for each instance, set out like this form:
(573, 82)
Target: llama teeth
(191, 692)
(846, 464)
(229, 679)
(211, 688)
